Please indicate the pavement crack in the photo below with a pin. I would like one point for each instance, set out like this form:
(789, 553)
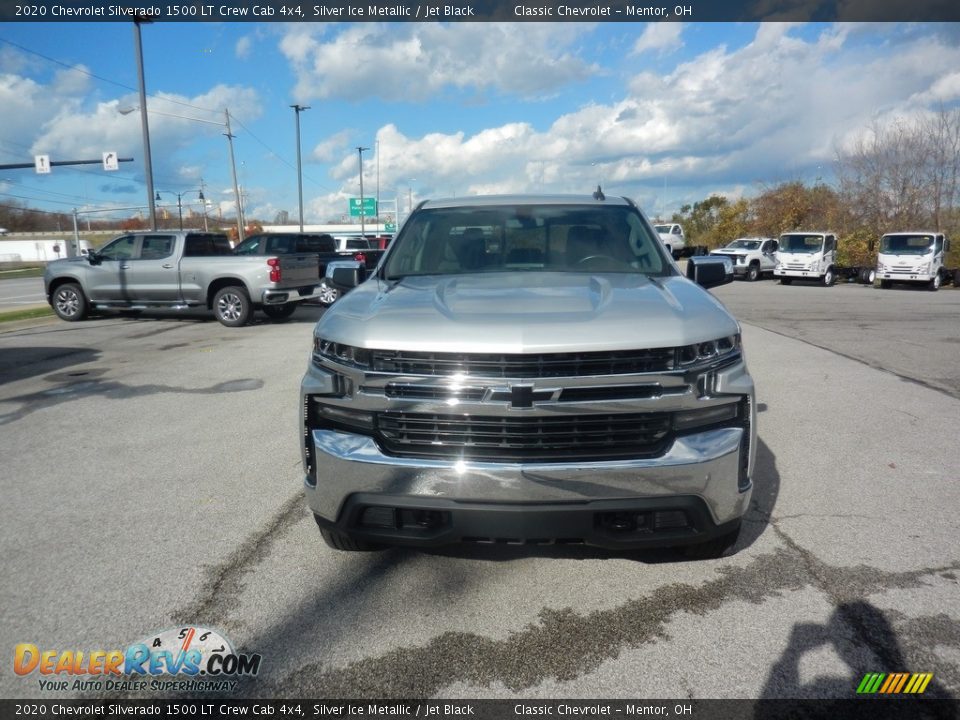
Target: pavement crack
(224, 580)
(565, 645)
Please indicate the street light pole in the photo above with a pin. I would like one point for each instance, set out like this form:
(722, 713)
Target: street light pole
(145, 126)
(180, 203)
(297, 109)
(363, 230)
(236, 188)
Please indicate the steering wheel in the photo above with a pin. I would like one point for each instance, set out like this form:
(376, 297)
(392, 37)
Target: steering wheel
(590, 258)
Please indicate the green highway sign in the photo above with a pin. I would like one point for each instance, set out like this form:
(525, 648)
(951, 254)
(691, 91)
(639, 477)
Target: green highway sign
(390, 227)
(369, 208)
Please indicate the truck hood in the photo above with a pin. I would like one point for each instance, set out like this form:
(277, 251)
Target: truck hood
(526, 313)
(731, 251)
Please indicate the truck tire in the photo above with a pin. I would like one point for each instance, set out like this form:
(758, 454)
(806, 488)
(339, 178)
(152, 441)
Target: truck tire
(232, 306)
(279, 312)
(935, 283)
(327, 294)
(341, 541)
(713, 549)
(786, 280)
(829, 277)
(69, 302)
(753, 272)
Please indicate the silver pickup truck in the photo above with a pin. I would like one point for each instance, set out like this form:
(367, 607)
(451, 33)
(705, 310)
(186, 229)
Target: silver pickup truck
(529, 369)
(178, 269)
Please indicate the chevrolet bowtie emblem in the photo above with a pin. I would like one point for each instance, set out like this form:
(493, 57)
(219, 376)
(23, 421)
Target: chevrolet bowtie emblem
(521, 396)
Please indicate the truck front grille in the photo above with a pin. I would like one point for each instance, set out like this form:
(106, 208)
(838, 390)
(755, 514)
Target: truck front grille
(546, 365)
(526, 439)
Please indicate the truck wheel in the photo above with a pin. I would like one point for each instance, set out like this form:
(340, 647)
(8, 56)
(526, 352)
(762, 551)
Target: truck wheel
(327, 295)
(713, 549)
(828, 278)
(753, 272)
(69, 302)
(341, 541)
(886, 284)
(786, 281)
(232, 306)
(279, 312)
(935, 283)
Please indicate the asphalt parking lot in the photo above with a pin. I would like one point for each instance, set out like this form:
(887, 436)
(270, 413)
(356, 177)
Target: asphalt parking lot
(151, 478)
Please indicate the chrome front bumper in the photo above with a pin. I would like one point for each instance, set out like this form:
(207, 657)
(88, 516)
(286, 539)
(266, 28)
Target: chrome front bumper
(705, 465)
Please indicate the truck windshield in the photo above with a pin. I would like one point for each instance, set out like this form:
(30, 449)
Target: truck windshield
(906, 244)
(664, 229)
(527, 238)
(801, 243)
(744, 245)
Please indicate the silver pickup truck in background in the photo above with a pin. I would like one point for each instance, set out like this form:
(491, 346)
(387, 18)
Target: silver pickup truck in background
(180, 269)
(529, 369)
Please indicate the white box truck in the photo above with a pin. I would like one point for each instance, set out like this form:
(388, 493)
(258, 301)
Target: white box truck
(40, 250)
(915, 257)
(807, 255)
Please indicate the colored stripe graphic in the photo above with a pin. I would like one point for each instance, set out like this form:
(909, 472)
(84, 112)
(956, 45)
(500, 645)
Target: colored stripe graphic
(894, 683)
(871, 682)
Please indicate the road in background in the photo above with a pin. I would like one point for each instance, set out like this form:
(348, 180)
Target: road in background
(15, 293)
(151, 478)
(913, 333)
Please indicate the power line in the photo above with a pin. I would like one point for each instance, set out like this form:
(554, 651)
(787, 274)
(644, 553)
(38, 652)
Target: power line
(75, 68)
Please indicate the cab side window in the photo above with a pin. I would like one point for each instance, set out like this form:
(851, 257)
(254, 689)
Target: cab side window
(123, 248)
(156, 247)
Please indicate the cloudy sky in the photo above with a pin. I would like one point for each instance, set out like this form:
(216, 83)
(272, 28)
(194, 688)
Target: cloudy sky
(663, 113)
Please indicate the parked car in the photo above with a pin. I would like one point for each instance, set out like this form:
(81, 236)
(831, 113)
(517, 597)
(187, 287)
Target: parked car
(171, 269)
(752, 257)
(327, 248)
(529, 369)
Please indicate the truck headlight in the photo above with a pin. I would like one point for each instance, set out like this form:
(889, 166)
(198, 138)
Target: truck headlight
(709, 351)
(340, 353)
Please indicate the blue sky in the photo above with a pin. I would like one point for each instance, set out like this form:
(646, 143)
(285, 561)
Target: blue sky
(663, 113)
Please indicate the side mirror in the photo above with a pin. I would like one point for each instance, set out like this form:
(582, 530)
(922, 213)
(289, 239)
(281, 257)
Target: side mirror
(946, 245)
(93, 258)
(710, 271)
(871, 245)
(348, 277)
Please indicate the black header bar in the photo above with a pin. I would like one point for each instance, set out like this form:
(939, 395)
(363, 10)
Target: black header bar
(481, 11)
(212, 708)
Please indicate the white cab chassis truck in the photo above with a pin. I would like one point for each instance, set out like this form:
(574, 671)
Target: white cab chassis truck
(675, 241)
(752, 257)
(915, 257)
(807, 255)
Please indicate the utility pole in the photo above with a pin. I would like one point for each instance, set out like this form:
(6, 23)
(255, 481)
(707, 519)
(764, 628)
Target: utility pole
(363, 230)
(236, 188)
(297, 109)
(203, 204)
(145, 126)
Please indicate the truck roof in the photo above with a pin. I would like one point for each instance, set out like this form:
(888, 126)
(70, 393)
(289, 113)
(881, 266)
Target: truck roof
(493, 200)
(914, 232)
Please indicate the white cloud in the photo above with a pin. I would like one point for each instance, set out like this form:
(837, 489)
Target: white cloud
(663, 37)
(771, 110)
(243, 47)
(410, 62)
(74, 131)
(327, 150)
